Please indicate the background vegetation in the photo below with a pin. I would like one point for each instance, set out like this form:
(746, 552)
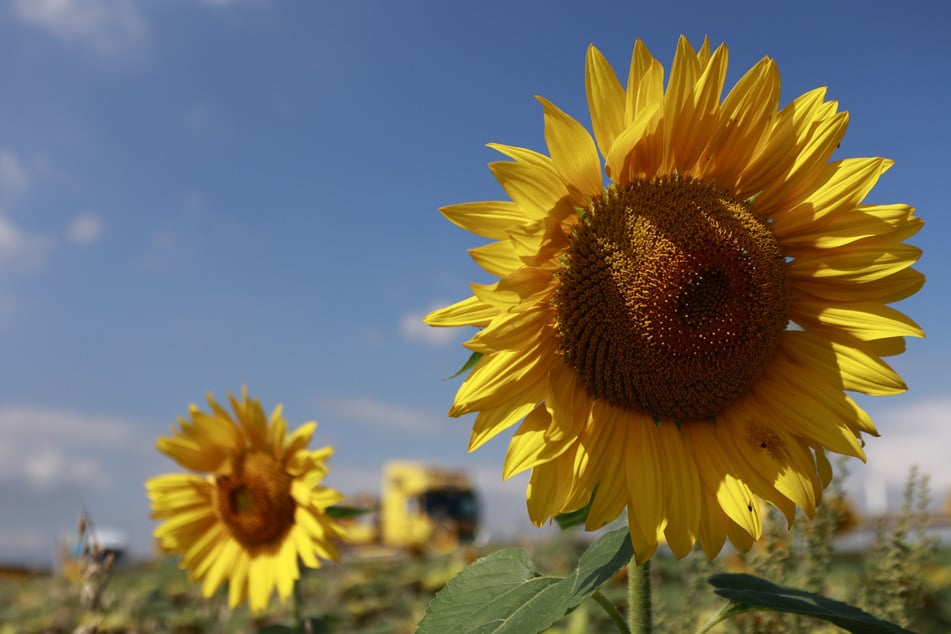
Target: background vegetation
(904, 577)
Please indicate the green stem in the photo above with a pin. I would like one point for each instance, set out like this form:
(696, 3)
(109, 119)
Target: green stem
(639, 592)
(728, 610)
(612, 611)
(295, 606)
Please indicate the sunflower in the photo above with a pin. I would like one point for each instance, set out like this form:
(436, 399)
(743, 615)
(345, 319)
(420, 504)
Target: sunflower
(255, 509)
(679, 329)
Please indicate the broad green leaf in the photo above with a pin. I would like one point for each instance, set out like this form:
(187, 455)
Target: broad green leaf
(469, 364)
(754, 593)
(603, 559)
(503, 592)
(338, 512)
(484, 596)
(576, 518)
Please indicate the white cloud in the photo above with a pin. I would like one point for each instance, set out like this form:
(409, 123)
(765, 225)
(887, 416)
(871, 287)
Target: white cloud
(55, 463)
(19, 424)
(914, 433)
(387, 415)
(13, 176)
(85, 229)
(106, 27)
(45, 449)
(413, 328)
(21, 250)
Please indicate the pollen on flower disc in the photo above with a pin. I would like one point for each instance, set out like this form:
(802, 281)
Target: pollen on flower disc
(672, 298)
(254, 501)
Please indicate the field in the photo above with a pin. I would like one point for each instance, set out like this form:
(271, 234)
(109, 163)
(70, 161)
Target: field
(388, 594)
(901, 574)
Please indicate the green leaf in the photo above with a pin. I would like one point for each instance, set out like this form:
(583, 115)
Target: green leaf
(469, 364)
(344, 512)
(576, 518)
(603, 559)
(503, 592)
(756, 593)
(485, 595)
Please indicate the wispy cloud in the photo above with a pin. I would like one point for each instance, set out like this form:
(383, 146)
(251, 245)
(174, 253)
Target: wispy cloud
(21, 250)
(413, 328)
(14, 178)
(56, 462)
(110, 28)
(22, 422)
(387, 415)
(916, 433)
(85, 228)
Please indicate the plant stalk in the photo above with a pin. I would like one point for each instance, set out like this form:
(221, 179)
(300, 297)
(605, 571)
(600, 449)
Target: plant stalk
(639, 593)
(296, 606)
(612, 611)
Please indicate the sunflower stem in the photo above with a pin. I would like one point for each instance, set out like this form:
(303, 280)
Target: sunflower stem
(639, 593)
(612, 611)
(295, 607)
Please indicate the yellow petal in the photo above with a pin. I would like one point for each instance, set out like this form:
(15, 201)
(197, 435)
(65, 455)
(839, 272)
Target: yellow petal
(808, 169)
(841, 187)
(678, 100)
(646, 481)
(885, 290)
(866, 321)
(635, 151)
(496, 258)
(491, 422)
(713, 526)
(608, 449)
(491, 219)
(697, 124)
(573, 152)
(528, 447)
(801, 412)
(605, 99)
(683, 490)
(469, 312)
(645, 84)
(500, 376)
(531, 183)
(845, 227)
(718, 474)
(567, 402)
(512, 331)
(864, 261)
(238, 586)
(859, 369)
(260, 582)
(221, 567)
(744, 118)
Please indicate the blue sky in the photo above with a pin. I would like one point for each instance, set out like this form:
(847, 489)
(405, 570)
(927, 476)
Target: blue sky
(199, 195)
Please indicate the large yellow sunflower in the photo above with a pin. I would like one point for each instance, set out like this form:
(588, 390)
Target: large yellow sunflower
(682, 338)
(255, 509)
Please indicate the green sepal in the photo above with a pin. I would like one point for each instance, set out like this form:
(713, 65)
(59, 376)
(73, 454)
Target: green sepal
(576, 518)
(469, 364)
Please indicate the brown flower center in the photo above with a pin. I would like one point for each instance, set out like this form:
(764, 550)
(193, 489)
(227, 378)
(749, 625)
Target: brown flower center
(672, 298)
(255, 501)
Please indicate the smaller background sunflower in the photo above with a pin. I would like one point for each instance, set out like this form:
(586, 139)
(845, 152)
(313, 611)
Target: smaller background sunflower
(251, 508)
